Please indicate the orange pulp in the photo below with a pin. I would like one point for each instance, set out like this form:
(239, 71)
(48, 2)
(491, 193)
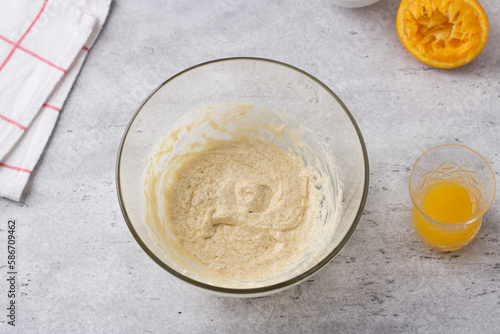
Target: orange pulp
(447, 204)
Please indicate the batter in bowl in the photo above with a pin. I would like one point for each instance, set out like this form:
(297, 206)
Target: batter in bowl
(236, 203)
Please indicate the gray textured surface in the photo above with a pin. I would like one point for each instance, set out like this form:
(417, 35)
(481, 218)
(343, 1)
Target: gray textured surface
(80, 270)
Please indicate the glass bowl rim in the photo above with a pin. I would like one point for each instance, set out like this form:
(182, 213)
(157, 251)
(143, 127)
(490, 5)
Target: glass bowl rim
(474, 217)
(244, 291)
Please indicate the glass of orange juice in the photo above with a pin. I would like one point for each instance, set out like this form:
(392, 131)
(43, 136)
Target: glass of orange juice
(451, 187)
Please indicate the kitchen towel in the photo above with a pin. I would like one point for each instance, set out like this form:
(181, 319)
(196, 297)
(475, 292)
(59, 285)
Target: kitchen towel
(43, 44)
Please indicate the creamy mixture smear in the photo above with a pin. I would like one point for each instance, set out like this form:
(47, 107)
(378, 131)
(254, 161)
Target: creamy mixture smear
(238, 204)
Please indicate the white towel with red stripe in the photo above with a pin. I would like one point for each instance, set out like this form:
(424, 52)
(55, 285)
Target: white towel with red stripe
(43, 44)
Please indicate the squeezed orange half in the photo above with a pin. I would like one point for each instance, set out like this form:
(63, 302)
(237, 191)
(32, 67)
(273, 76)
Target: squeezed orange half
(447, 206)
(442, 33)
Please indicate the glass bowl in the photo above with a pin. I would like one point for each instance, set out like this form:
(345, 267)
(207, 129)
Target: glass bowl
(245, 81)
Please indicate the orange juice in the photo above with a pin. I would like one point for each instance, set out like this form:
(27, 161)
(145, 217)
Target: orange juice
(448, 205)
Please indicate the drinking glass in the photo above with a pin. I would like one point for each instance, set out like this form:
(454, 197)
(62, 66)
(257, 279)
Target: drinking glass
(451, 187)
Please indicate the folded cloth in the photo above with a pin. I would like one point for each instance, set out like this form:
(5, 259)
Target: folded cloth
(43, 44)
